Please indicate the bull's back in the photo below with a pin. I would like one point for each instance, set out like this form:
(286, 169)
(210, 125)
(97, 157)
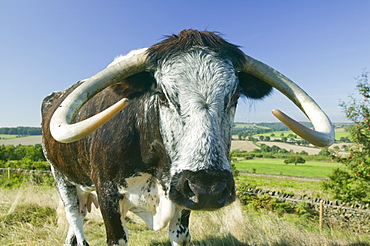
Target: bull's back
(69, 159)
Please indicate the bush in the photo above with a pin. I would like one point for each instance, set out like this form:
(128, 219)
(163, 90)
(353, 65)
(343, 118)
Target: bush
(19, 178)
(295, 160)
(353, 184)
(342, 184)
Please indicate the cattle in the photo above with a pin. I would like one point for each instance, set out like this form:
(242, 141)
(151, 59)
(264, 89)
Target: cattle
(151, 133)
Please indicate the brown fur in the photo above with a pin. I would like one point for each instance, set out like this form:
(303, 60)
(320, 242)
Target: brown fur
(187, 39)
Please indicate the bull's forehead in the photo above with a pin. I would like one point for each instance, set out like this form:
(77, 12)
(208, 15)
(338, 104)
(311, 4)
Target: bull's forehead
(198, 77)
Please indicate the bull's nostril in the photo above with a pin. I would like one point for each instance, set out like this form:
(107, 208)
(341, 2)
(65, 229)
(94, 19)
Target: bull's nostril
(223, 193)
(221, 200)
(187, 190)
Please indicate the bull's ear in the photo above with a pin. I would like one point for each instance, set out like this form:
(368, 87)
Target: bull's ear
(252, 87)
(135, 85)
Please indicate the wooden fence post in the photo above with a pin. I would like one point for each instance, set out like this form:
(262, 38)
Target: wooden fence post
(8, 172)
(321, 215)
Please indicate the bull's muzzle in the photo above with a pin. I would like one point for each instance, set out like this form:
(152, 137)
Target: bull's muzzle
(203, 190)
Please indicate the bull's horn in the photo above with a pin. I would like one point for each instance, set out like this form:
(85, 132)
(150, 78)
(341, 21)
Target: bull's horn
(323, 135)
(60, 126)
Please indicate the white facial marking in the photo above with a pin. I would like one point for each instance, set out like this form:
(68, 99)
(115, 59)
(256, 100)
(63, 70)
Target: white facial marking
(196, 122)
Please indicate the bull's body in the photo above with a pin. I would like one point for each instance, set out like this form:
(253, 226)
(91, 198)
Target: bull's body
(124, 161)
(166, 153)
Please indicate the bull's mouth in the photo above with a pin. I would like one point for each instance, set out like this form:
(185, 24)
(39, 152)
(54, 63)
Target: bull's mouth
(202, 190)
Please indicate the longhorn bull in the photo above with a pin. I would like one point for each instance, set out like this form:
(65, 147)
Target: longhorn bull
(151, 133)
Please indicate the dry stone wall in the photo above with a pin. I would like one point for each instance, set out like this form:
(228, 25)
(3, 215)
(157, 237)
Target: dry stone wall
(352, 217)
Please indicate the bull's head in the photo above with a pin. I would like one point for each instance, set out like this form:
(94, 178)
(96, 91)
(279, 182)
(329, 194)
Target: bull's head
(198, 80)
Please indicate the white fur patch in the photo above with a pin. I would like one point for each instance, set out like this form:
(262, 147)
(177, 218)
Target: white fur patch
(73, 215)
(145, 197)
(124, 57)
(121, 242)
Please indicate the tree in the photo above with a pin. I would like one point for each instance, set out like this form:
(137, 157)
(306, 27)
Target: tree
(295, 159)
(3, 156)
(356, 187)
(303, 153)
(325, 152)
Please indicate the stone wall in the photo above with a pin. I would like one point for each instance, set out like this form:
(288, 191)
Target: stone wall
(348, 216)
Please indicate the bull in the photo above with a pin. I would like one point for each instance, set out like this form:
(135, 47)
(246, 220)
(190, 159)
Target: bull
(151, 133)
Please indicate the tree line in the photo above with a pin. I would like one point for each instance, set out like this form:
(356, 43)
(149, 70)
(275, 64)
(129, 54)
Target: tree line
(21, 152)
(274, 151)
(21, 130)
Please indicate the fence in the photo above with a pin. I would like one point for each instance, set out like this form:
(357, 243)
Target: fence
(17, 176)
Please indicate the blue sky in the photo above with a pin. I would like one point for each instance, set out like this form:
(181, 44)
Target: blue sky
(48, 45)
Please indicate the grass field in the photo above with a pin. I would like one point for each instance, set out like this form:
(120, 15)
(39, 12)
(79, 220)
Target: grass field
(277, 134)
(28, 217)
(339, 132)
(240, 126)
(281, 184)
(27, 140)
(278, 167)
(7, 136)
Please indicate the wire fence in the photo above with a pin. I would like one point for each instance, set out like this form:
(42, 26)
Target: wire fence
(23, 170)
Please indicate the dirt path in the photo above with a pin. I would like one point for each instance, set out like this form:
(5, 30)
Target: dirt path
(32, 140)
(243, 145)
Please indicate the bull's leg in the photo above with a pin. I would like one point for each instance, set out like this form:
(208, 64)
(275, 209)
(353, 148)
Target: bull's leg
(179, 229)
(68, 194)
(109, 198)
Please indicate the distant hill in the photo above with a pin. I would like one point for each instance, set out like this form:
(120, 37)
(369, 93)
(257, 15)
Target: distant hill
(258, 128)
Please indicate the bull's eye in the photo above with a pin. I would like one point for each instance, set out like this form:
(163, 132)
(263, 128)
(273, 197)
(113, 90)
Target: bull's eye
(234, 100)
(162, 97)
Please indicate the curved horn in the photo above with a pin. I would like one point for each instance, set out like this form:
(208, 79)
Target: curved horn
(323, 135)
(60, 126)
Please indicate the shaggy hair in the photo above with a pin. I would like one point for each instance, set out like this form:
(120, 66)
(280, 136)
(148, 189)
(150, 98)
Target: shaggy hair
(188, 39)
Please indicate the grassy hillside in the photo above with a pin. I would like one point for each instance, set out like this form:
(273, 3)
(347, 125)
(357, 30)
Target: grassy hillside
(238, 127)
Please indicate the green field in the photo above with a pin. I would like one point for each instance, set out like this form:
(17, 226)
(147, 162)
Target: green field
(241, 126)
(297, 187)
(315, 169)
(340, 132)
(8, 136)
(311, 169)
